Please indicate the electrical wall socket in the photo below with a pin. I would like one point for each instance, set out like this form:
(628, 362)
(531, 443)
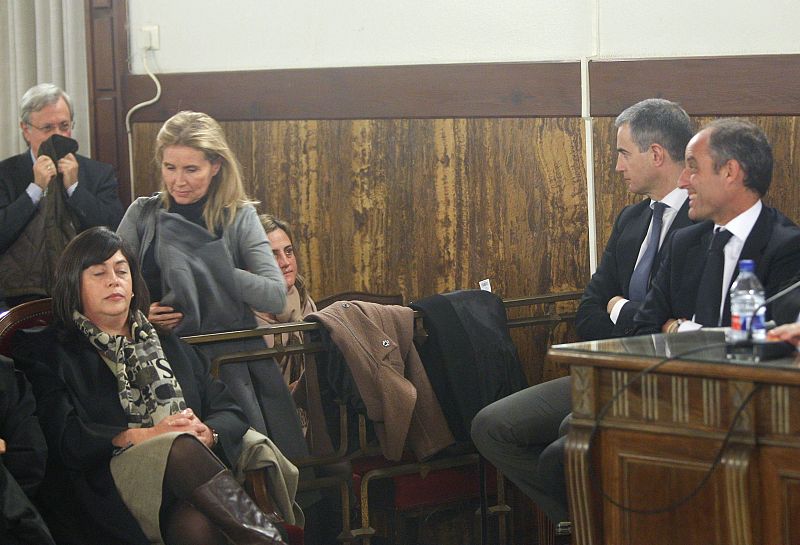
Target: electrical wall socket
(151, 41)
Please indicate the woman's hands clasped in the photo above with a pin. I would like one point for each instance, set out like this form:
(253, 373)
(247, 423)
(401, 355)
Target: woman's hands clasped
(185, 421)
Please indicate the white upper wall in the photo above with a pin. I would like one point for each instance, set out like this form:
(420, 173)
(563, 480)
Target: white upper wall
(697, 28)
(214, 35)
(211, 35)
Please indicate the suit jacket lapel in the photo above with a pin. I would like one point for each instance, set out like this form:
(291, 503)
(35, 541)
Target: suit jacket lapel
(758, 239)
(691, 268)
(23, 170)
(682, 218)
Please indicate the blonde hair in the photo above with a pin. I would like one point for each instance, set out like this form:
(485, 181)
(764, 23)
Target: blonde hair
(270, 223)
(199, 131)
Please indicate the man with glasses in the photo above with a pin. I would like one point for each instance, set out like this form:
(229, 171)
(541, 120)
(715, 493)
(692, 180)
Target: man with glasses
(89, 189)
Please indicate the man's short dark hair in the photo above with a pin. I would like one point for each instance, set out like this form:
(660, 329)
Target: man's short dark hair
(658, 121)
(745, 143)
(91, 247)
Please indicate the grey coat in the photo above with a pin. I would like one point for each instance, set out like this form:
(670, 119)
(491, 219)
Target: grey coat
(238, 268)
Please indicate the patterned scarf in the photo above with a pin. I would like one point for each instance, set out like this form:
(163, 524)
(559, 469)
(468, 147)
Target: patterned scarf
(148, 389)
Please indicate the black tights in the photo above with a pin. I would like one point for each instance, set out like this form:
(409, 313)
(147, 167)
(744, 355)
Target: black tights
(190, 464)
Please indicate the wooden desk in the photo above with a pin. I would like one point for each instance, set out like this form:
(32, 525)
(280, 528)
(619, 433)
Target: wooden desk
(661, 436)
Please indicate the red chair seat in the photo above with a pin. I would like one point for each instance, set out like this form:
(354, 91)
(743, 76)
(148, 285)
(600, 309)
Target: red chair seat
(413, 491)
(295, 534)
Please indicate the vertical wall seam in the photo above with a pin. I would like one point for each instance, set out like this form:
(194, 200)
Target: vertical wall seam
(588, 124)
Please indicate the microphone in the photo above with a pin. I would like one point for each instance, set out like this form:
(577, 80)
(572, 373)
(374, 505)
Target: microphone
(767, 301)
(763, 350)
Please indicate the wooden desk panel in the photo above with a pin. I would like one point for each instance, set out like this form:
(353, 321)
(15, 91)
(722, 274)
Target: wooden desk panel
(780, 494)
(660, 437)
(649, 471)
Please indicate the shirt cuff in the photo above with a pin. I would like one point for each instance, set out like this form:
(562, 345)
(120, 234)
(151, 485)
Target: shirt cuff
(34, 192)
(689, 325)
(71, 189)
(616, 309)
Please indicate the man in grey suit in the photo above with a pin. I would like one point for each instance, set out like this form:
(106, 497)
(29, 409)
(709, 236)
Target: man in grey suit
(523, 434)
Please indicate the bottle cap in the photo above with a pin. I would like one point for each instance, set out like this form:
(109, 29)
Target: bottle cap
(747, 265)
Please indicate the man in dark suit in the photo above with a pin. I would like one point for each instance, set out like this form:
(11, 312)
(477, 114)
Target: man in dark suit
(523, 434)
(651, 139)
(728, 171)
(90, 191)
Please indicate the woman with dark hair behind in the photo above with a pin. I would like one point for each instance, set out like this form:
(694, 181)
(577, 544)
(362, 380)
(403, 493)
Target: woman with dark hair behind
(138, 432)
(298, 303)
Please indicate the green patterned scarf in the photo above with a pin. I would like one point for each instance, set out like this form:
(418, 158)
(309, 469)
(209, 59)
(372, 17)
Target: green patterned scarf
(148, 389)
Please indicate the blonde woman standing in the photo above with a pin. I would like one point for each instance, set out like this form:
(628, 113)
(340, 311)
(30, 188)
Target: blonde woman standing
(207, 262)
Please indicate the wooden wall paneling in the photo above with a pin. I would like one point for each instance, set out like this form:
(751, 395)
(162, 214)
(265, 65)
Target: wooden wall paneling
(783, 133)
(105, 144)
(286, 182)
(734, 85)
(381, 92)
(107, 51)
(611, 192)
(103, 57)
(371, 199)
(240, 140)
(147, 177)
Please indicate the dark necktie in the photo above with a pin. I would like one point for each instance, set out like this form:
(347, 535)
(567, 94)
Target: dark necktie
(709, 291)
(640, 279)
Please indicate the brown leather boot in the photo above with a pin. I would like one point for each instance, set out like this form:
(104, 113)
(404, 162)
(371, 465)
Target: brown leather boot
(228, 506)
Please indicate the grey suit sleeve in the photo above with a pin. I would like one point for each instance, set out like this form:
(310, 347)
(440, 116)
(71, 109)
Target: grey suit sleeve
(260, 280)
(592, 320)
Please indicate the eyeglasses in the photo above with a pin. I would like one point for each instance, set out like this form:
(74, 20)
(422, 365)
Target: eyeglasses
(64, 126)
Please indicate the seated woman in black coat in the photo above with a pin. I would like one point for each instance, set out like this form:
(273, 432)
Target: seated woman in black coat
(137, 429)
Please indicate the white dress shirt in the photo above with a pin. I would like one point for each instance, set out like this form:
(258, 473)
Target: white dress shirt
(740, 228)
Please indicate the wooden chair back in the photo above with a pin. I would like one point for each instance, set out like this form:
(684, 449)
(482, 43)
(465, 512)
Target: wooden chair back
(28, 315)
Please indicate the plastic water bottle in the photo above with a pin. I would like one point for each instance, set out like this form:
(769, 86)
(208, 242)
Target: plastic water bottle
(747, 295)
